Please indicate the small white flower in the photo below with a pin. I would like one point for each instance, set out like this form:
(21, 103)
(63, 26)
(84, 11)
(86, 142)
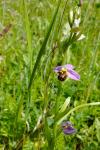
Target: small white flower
(76, 22)
(81, 37)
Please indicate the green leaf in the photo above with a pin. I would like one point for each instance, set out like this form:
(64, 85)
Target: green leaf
(65, 105)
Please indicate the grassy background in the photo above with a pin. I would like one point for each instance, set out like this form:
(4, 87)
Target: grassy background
(19, 48)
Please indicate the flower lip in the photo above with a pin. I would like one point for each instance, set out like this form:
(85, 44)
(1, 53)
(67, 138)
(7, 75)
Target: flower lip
(68, 128)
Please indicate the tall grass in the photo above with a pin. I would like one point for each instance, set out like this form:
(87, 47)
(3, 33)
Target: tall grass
(34, 103)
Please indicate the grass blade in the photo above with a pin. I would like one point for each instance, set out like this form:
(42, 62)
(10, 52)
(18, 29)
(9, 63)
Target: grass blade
(28, 32)
(42, 49)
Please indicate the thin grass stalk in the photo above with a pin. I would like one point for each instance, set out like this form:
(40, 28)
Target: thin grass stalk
(28, 32)
(94, 53)
(87, 14)
(43, 47)
(91, 68)
(60, 22)
(30, 51)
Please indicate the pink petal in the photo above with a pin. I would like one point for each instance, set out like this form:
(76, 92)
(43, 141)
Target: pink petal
(69, 66)
(58, 68)
(73, 75)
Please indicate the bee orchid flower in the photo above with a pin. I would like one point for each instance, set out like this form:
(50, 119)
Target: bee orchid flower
(66, 71)
(68, 128)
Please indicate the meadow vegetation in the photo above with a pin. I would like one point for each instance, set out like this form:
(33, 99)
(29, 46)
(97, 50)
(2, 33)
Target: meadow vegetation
(35, 37)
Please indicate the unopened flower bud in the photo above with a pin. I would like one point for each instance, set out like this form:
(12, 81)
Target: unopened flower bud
(71, 17)
(77, 12)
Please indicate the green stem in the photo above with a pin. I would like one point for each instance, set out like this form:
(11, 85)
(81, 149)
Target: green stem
(76, 108)
(28, 32)
(30, 51)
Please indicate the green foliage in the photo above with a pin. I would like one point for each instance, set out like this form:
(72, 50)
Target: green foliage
(33, 35)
